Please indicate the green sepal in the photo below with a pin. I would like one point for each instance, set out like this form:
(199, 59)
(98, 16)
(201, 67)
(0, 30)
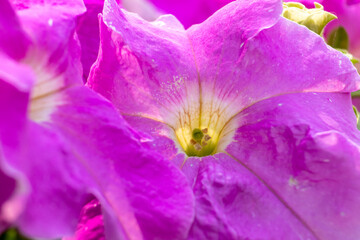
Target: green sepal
(314, 19)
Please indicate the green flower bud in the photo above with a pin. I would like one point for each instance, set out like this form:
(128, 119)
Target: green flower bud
(314, 19)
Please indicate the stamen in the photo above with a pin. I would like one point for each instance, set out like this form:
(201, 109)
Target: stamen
(207, 138)
(198, 147)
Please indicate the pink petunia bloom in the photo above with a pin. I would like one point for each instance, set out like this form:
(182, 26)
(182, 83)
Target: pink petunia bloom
(61, 143)
(254, 109)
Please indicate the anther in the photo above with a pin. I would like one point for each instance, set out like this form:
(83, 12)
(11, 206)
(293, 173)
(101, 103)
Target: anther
(193, 142)
(207, 137)
(205, 130)
(197, 147)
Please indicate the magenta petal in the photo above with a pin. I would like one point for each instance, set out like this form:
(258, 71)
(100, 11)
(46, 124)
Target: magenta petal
(233, 203)
(312, 171)
(124, 63)
(55, 187)
(11, 32)
(242, 72)
(318, 112)
(317, 178)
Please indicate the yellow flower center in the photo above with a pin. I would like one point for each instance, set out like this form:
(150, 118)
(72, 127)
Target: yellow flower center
(205, 132)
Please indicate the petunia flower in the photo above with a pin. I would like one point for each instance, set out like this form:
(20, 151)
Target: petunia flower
(64, 144)
(255, 110)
